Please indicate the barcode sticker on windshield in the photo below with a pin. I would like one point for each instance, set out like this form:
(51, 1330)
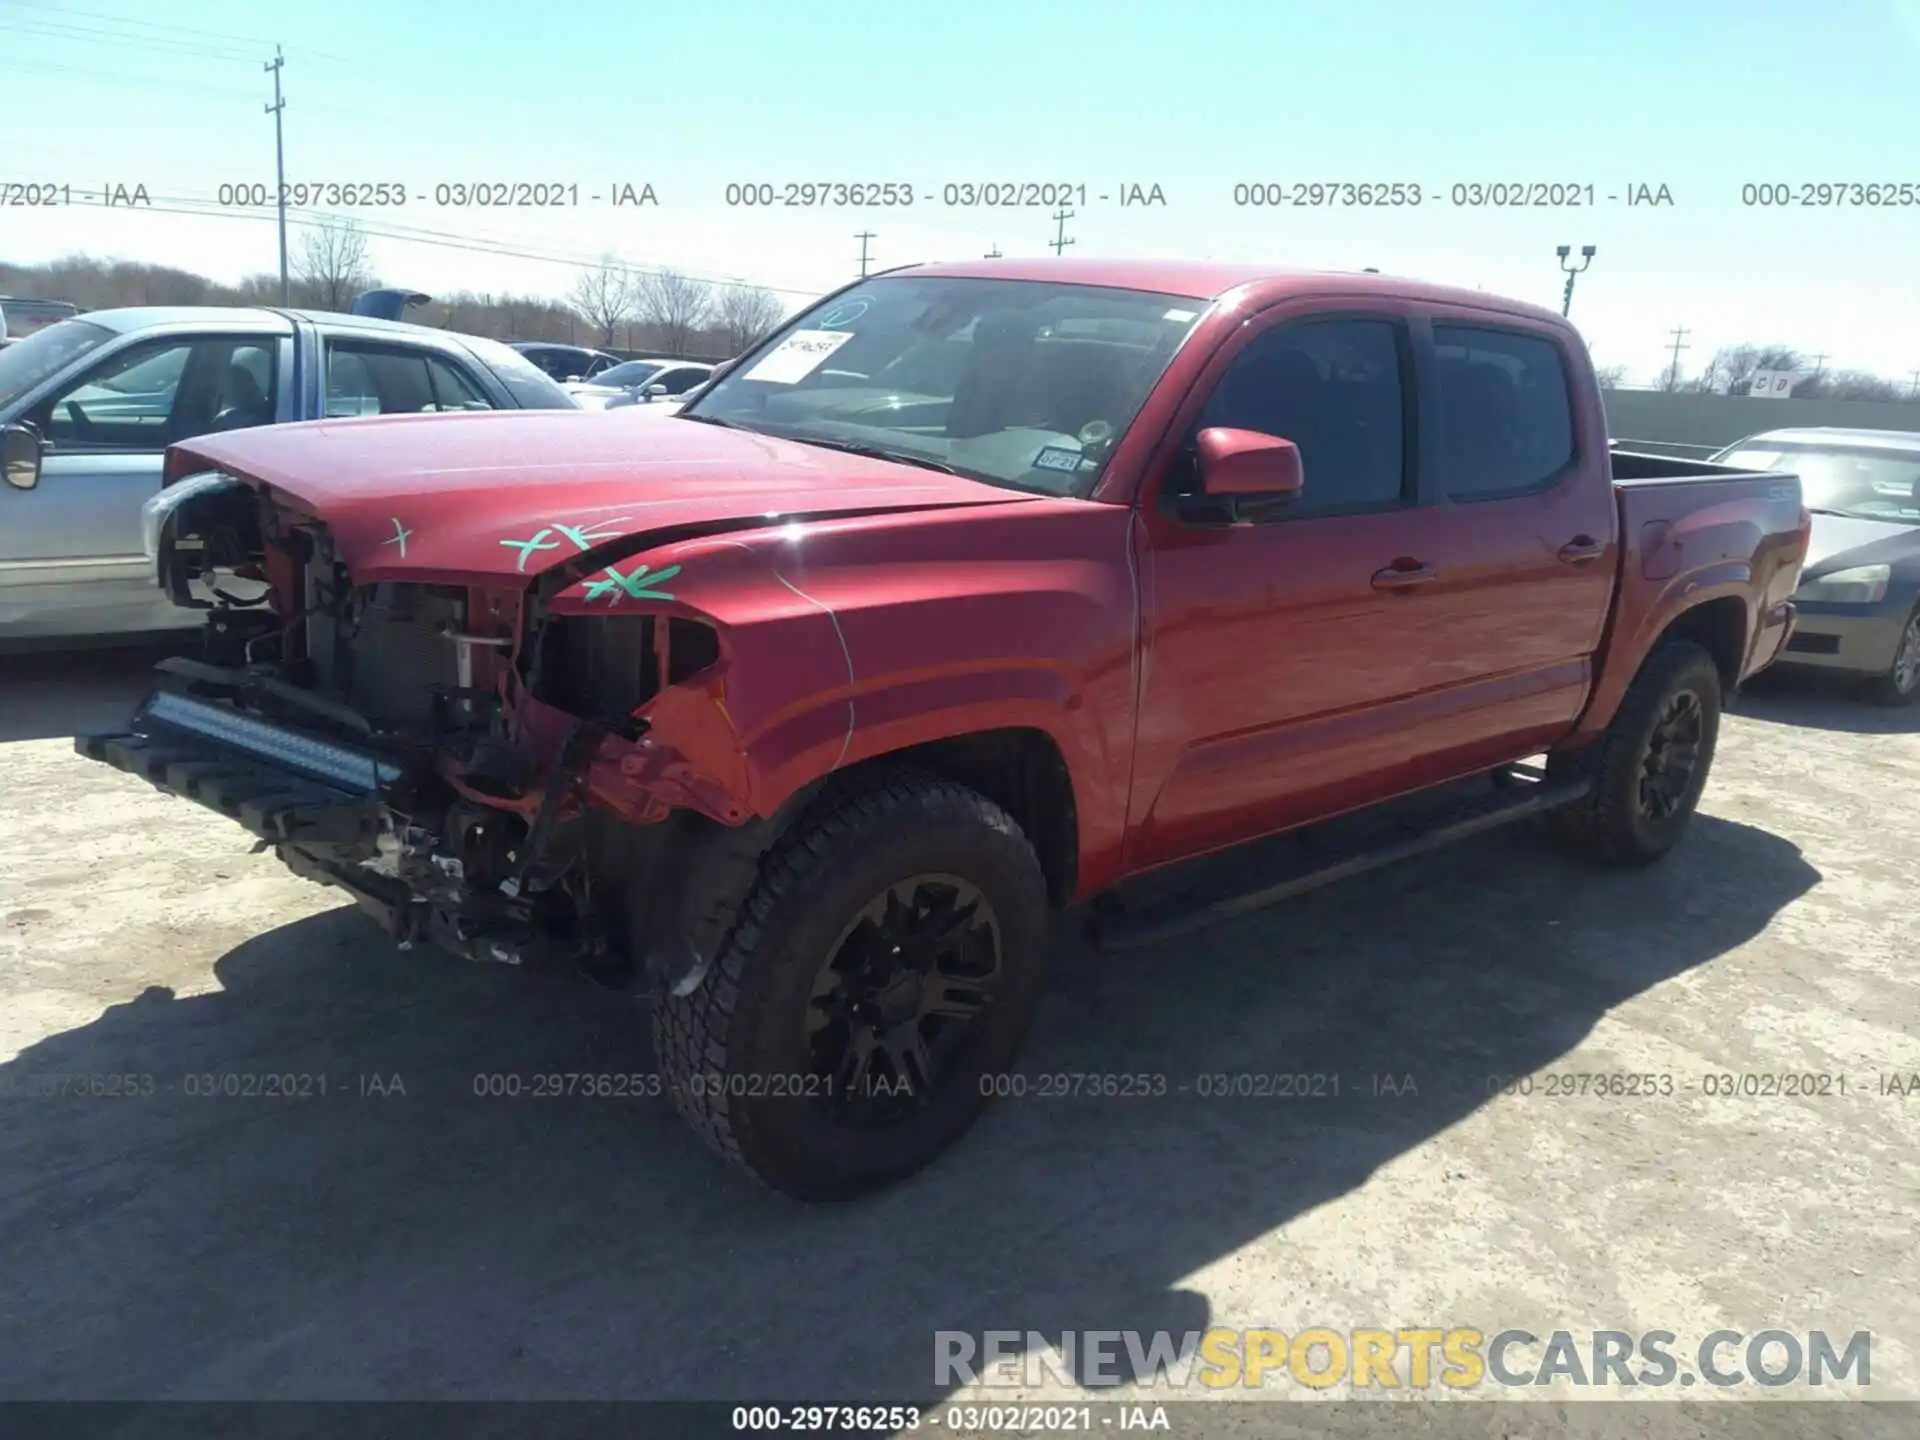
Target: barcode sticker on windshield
(1057, 457)
(1180, 315)
(798, 356)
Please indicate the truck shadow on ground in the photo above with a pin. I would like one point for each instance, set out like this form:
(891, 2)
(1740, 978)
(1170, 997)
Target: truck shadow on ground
(444, 1244)
(1821, 702)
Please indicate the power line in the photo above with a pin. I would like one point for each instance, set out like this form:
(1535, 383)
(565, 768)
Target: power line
(49, 30)
(166, 26)
(122, 81)
(196, 207)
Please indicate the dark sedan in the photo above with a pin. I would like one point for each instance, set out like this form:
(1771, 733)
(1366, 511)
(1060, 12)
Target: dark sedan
(1859, 598)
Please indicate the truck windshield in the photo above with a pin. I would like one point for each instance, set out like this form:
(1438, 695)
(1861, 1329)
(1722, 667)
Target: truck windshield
(1867, 484)
(1018, 383)
(25, 363)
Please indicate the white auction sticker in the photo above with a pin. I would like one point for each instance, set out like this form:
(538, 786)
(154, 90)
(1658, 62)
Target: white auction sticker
(798, 356)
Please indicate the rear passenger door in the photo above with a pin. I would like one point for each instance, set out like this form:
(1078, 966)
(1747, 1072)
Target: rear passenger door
(1521, 534)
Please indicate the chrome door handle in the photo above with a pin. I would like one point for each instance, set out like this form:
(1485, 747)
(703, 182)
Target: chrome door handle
(1396, 577)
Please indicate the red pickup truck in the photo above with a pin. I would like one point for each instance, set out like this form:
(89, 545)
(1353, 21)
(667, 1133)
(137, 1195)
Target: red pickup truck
(974, 591)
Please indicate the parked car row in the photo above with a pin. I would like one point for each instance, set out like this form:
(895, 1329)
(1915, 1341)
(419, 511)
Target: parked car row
(798, 710)
(20, 318)
(1859, 603)
(639, 382)
(106, 393)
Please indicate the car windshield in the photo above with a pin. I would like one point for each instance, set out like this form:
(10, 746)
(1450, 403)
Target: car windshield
(25, 363)
(531, 387)
(1019, 383)
(1866, 484)
(633, 372)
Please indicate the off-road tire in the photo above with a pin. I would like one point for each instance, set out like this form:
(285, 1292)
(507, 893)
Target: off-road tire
(1607, 825)
(738, 1036)
(1886, 689)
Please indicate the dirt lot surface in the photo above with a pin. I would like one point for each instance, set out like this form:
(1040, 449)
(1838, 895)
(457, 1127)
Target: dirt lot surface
(436, 1243)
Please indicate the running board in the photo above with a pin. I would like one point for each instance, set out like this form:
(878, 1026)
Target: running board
(1516, 797)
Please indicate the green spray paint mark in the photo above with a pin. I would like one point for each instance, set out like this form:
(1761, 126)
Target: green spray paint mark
(636, 586)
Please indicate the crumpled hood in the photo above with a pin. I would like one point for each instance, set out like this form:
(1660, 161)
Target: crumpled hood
(474, 497)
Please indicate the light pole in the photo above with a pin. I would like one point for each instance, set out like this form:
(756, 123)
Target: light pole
(1586, 259)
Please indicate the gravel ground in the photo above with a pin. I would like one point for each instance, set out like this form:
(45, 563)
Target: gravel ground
(369, 1243)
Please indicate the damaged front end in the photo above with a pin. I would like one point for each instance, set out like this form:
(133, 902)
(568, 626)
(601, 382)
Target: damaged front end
(476, 766)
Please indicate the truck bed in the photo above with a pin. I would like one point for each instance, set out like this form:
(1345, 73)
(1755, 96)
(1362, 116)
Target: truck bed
(1696, 534)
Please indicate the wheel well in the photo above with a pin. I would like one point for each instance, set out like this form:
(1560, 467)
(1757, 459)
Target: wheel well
(1021, 771)
(1720, 628)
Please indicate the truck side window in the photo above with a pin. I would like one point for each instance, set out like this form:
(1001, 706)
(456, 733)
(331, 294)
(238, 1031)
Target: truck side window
(1334, 388)
(149, 396)
(1506, 412)
(386, 380)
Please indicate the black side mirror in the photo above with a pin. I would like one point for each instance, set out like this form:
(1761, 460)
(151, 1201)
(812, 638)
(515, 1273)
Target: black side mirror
(20, 454)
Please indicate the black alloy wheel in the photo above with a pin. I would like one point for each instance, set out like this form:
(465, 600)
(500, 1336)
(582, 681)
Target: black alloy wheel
(893, 1005)
(1672, 757)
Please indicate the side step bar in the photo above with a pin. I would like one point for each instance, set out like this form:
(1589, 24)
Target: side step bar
(1517, 794)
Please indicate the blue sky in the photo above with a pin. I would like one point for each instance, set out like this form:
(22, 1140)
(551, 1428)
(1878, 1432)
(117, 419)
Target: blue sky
(1699, 97)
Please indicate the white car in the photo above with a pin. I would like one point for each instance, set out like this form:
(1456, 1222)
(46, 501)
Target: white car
(638, 382)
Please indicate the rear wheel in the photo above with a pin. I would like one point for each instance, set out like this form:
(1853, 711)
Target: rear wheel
(1902, 680)
(1650, 765)
(882, 969)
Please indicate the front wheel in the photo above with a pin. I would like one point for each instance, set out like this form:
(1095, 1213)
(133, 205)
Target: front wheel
(878, 977)
(1902, 680)
(1650, 765)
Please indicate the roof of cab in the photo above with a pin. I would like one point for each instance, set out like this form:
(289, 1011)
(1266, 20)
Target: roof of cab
(252, 317)
(1209, 280)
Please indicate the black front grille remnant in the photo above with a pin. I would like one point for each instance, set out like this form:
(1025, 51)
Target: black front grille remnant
(691, 648)
(1808, 644)
(597, 667)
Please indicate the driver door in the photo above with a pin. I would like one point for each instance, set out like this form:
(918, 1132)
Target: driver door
(71, 555)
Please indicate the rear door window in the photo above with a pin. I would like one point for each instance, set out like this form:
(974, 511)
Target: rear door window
(1506, 411)
(367, 379)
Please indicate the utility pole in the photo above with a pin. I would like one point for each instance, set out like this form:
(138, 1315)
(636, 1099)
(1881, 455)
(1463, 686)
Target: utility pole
(280, 167)
(1916, 386)
(1680, 333)
(1586, 259)
(863, 237)
(993, 254)
(1060, 240)
(1819, 363)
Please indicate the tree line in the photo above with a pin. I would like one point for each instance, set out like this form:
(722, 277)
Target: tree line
(1732, 369)
(612, 306)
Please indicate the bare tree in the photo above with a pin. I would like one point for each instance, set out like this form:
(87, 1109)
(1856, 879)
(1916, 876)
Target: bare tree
(1733, 367)
(332, 263)
(675, 306)
(744, 314)
(1611, 377)
(604, 296)
(1847, 385)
